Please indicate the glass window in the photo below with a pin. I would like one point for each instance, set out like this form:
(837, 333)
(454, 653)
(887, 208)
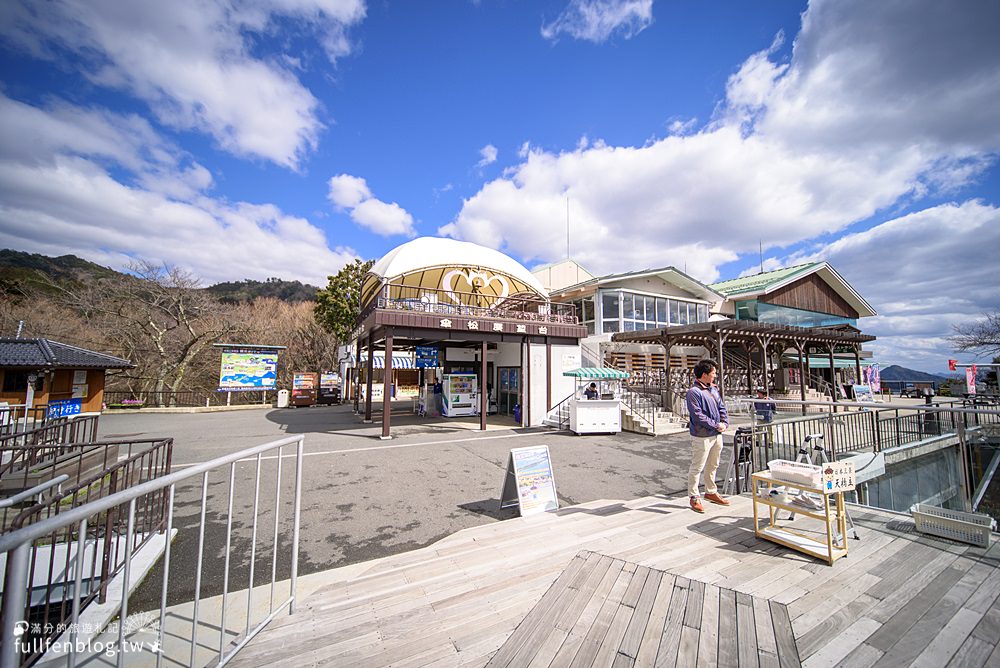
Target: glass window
(588, 309)
(590, 328)
(610, 326)
(702, 313)
(650, 304)
(630, 325)
(629, 306)
(611, 304)
(661, 311)
(746, 310)
(675, 312)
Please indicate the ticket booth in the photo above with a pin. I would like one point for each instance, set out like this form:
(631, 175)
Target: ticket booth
(596, 405)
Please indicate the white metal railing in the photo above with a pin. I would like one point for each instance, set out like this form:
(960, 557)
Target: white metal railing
(17, 546)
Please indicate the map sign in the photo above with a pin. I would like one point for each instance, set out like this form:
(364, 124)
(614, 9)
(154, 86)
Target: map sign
(529, 482)
(245, 369)
(427, 357)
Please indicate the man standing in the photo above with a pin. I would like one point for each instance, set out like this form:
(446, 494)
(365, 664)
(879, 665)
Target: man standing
(708, 419)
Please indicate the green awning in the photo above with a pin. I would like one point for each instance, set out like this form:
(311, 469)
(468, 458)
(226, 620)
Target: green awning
(824, 362)
(596, 373)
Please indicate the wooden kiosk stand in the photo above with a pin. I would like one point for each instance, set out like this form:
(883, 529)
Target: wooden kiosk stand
(831, 543)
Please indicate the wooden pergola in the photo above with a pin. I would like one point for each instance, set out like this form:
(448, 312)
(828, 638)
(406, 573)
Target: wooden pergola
(750, 336)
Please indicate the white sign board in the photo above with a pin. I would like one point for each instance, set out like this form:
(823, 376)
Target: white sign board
(80, 377)
(528, 481)
(838, 477)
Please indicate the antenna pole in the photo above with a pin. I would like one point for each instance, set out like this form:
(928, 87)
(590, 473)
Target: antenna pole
(760, 246)
(567, 228)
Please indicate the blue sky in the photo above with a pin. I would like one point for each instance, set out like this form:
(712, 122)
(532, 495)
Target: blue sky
(286, 137)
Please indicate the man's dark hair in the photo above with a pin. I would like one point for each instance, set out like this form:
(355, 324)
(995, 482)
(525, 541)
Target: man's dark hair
(703, 367)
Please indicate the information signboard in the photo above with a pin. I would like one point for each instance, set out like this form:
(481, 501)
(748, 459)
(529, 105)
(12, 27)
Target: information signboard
(528, 481)
(427, 357)
(64, 408)
(248, 368)
(838, 477)
(863, 394)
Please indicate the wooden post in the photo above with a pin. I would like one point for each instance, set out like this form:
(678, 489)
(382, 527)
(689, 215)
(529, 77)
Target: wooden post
(387, 386)
(484, 400)
(722, 367)
(833, 376)
(857, 364)
(802, 375)
(368, 381)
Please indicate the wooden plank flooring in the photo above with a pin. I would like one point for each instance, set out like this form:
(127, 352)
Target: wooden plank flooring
(626, 627)
(649, 583)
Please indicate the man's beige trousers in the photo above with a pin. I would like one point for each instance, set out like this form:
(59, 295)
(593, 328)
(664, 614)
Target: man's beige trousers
(705, 452)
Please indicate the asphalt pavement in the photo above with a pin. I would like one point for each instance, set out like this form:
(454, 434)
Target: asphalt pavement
(365, 498)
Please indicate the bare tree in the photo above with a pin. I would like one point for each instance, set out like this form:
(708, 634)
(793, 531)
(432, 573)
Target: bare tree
(982, 336)
(157, 317)
(309, 347)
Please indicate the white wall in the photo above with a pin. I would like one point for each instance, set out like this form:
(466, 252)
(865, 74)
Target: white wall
(561, 274)
(564, 358)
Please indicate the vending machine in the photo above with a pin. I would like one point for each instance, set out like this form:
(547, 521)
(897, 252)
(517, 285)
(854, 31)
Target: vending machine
(304, 386)
(460, 393)
(329, 388)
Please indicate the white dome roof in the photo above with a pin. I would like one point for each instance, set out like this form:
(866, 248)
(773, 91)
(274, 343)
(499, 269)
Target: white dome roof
(430, 252)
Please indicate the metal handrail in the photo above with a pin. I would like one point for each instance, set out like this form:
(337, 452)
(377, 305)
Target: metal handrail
(558, 407)
(37, 489)
(633, 400)
(929, 421)
(984, 484)
(17, 545)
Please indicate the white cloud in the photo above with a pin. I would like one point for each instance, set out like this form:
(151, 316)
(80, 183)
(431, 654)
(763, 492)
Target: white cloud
(58, 196)
(351, 193)
(346, 191)
(598, 20)
(192, 62)
(796, 150)
(923, 272)
(489, 155)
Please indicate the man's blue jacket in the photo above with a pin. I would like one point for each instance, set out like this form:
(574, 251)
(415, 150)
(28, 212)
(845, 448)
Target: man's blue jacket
(706, 410)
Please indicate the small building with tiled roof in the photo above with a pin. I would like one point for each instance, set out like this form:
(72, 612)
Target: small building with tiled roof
(59, 374)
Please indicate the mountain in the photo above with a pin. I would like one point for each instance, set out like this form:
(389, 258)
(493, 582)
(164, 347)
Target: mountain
(18, 267)
(248, 290)
(899, 373)
(21, 271)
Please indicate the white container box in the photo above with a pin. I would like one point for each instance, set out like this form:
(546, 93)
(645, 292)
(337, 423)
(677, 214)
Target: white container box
(797, 472)
(971, 528)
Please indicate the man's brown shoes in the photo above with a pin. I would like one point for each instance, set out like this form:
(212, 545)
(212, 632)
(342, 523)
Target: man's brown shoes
(696, 505)
(715, 498)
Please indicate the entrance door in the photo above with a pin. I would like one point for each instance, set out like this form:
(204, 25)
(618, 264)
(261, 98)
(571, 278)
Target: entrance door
(509, 392)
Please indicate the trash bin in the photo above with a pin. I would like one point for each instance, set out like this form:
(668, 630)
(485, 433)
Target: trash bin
(282, 398)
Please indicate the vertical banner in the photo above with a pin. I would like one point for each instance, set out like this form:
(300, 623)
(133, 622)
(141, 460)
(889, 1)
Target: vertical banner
(970, 379)
(874, 378)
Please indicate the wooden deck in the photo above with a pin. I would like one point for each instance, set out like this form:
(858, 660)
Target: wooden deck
(648, 582)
